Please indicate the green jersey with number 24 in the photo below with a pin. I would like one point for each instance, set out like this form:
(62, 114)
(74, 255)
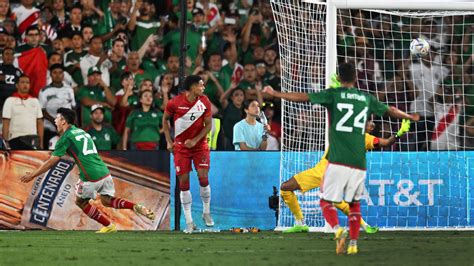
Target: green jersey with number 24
(79, 144)
(348, 111)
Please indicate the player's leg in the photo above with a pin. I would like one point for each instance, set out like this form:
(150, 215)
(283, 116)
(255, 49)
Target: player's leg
(182, 163)
(353, 194)
(332, 189)
(303, 181)
(107, 192)
(201, 161)
(85, 191)
(344, 207)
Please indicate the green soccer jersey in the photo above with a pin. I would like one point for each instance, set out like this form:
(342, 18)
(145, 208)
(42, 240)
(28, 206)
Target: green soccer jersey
(78, 144)
(73, 58)
(94, 93)
(143, 29)
(105, 139)
(145, 126)
(348, 111)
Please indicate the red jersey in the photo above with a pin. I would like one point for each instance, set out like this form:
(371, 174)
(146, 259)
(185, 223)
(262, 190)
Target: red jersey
(188, 117)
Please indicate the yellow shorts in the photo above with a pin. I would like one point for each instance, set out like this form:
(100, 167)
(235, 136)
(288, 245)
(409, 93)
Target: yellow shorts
(311, 178)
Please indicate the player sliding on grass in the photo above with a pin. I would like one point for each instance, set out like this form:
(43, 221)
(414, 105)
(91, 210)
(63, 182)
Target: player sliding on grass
(311, 178)
(344, 178)
(94, 175)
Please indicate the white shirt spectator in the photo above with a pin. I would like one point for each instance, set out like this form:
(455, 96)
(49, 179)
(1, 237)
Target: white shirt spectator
(52, 98)
(23, 115)
(89, 61)
(68, 81)
(426, 80)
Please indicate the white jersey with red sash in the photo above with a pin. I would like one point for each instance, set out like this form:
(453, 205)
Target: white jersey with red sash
(25, 17)
(446, 128)
(188, 117)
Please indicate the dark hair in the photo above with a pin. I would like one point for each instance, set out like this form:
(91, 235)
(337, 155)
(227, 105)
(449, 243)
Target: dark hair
(56, 66)
(96, 37)
(68, 115)
(6, 49)
(76, 6)
(347, 72)
(30, 28)
(53, 54)
(23, 76)
(76, 33)
(125, 75)
(190, 81)
(245, 106)
(117, 40)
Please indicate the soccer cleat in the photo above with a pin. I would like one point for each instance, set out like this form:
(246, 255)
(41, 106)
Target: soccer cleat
(190, 227)
(371, 229)
(111, 228)
(297, 229)
(208, 219)
(142, 210)
(341, 235)
(352, 250)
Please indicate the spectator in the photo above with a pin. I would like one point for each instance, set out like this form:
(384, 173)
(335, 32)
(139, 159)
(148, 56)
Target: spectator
(61, 17)
(4, 10)
(3, 38)
(133, 65)
(261, 70)
(154, 62)
(96, 57)
(33, 59)
(74, 57)
(74, 24)
(232, 112)
(57, 94)
(143, 125)
(142, 26)
(57, 59)
(23, 119)
(274, 133)
(87, 34)
(105, 137)
(95, 92)
(122, 109)
(118, 60)
(249, 134)
(26, 15)
(9, 75)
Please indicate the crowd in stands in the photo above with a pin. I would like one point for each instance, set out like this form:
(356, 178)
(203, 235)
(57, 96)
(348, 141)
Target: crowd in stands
(116, 62)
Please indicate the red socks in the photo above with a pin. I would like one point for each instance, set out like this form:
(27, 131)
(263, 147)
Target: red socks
(354, 220)
(118, 203)
(329, 212)
(95, 214)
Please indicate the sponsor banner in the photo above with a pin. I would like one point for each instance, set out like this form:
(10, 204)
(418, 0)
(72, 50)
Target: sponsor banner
(416, 189)
(49, 201)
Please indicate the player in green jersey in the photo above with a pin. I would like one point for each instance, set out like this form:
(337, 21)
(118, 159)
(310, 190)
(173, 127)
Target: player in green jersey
(94, 175)
(344, 178)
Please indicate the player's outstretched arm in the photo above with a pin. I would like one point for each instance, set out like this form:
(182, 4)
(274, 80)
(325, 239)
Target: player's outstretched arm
(394, 112)
(290, 96)
(385, 142)
(53, 160)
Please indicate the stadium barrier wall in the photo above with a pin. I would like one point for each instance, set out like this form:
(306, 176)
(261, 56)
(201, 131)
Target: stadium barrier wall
(440, 197)
(48, 202)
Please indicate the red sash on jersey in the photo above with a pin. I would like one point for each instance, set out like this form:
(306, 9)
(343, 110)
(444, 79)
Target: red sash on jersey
(238, 73)
(445, 122)
(188, 119)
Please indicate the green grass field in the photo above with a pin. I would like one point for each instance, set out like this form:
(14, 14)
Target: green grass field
(265, 248)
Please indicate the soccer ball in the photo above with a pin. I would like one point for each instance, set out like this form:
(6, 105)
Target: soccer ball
(419, 47)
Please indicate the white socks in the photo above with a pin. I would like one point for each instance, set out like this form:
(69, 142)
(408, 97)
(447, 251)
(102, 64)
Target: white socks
(186, 202)
(205, 193)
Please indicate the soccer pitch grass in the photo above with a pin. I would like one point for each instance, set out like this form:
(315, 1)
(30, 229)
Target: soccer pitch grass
(264, 248)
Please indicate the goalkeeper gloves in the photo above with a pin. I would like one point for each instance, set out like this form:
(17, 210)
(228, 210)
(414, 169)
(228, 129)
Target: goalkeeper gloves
(335, 83)
(404, 128)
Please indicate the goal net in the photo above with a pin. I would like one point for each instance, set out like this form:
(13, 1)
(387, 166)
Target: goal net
(425, 180)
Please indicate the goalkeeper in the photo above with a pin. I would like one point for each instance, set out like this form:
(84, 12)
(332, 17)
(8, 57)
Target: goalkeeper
(311, 178)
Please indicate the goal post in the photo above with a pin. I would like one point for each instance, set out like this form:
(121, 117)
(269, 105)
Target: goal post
(424, 180)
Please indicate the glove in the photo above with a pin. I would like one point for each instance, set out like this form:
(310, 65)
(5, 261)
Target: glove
(334, 82)
(404, 128)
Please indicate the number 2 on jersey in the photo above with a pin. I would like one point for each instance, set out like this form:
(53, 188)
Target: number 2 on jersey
(359, 120)
(85, 150)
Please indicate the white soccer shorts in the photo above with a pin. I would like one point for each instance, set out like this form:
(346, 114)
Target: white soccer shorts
(89, 190)
(343, 183)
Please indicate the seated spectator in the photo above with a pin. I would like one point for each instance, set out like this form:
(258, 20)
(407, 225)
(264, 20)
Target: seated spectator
(96, 92)
(105, 137)
(232, 113)
(9, 75)
(23, 119)
(55, 95)
(143, 125)
(249, 134)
